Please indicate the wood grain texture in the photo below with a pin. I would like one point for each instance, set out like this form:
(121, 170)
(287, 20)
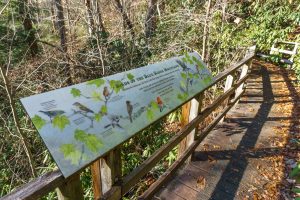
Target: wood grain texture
(71, 189)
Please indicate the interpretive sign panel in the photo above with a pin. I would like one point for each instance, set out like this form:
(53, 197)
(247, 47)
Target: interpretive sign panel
(84, 121)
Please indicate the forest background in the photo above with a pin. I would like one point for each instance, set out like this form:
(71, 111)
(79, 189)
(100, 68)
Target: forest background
(49, 44)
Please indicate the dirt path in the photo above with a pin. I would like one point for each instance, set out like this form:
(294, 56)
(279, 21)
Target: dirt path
(248, 156)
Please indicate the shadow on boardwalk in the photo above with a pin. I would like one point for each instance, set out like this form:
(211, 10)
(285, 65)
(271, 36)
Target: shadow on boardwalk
(230, 160)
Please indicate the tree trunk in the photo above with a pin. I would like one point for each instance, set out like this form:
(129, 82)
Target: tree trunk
(206, 32)
(91, 23)
(27, 23)
(150, 24)
(99, 21)
(61, 25)
(127, 23)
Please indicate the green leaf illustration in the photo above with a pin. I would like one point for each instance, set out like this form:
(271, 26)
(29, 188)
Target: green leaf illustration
(92, 142)
(130, 76)
(104, 109)
(98, 117)
(154, 106)
(183, 84)
(188, 58)
(96, 96)
(75, 92)
(116, 85)
(150, 115)
(38, 122)
(182, 96)
(60, 121)
(97, 82)
(70, 153)
(198, 62)
(183, 75)
(190, 75)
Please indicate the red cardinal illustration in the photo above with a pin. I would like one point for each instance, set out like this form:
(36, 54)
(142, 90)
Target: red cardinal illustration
(160, 103)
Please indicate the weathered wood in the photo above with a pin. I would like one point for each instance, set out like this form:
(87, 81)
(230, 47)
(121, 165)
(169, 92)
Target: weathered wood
(105, 172)
(71, 189)
(38, 187)
(172, 169)
(96, 179)
(132, 178)
(244, 72)
(190, 111)
(229, 81)
(113, 194)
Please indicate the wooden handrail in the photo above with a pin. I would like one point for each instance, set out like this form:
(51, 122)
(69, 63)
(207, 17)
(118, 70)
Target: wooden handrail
(49, 181)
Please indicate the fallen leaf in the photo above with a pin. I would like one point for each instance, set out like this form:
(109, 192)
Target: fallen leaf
(201, 182)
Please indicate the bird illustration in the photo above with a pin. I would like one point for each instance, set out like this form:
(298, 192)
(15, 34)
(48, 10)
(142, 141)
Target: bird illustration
(106, 93)
(129, 110)
(82, 108)
(184, 67)
(160, 104)
(114, 121)
(52, 113)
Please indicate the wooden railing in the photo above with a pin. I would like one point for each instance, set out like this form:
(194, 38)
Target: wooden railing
(108, 182)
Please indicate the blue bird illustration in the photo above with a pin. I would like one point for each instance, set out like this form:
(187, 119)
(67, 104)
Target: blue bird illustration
(52, 113)
(82, 107)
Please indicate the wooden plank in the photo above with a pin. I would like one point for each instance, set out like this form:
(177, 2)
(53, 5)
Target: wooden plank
(113, 194)
(228, 84)
(71, 189)
(132, 178)
(106, 172)
(190, 111)
(172, 169)
(38, 187)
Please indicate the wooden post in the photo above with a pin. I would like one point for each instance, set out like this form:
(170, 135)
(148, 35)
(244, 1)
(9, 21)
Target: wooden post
(71, 190)
(228, 84)
(106, 172)
(190, 111)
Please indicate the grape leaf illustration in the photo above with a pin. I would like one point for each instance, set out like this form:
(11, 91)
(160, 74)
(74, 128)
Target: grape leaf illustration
(96, 82)
(92, 142)
(150, 114)
(96, 96)
(75, 92)
(198, 62)
(104, 109)
(38, 122)
(188, 58)
(116, 85)
(154, 106)
(71, 153)
(98, 117)
(60, 122)
(130, 76)
(183, 75)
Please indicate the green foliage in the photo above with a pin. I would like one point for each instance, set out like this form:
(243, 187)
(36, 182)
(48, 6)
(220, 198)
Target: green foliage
(38, 122)
(96, 96)
(130, 76)
(296, 171)
(60, 122)
(75, 92)
(116, 85)
(71, 153)
(92, 142)
(97, 82)
(98, 117)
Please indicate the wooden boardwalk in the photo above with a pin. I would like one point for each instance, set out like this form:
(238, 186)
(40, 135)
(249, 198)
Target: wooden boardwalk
(227, 164)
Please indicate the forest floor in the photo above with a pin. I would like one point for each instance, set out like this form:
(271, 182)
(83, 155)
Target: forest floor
(250, 154)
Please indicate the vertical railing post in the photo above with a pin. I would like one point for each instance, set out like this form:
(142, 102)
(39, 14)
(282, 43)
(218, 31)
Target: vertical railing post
(228, 84)
(70, 190)
(189, 111)
(106, 172)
